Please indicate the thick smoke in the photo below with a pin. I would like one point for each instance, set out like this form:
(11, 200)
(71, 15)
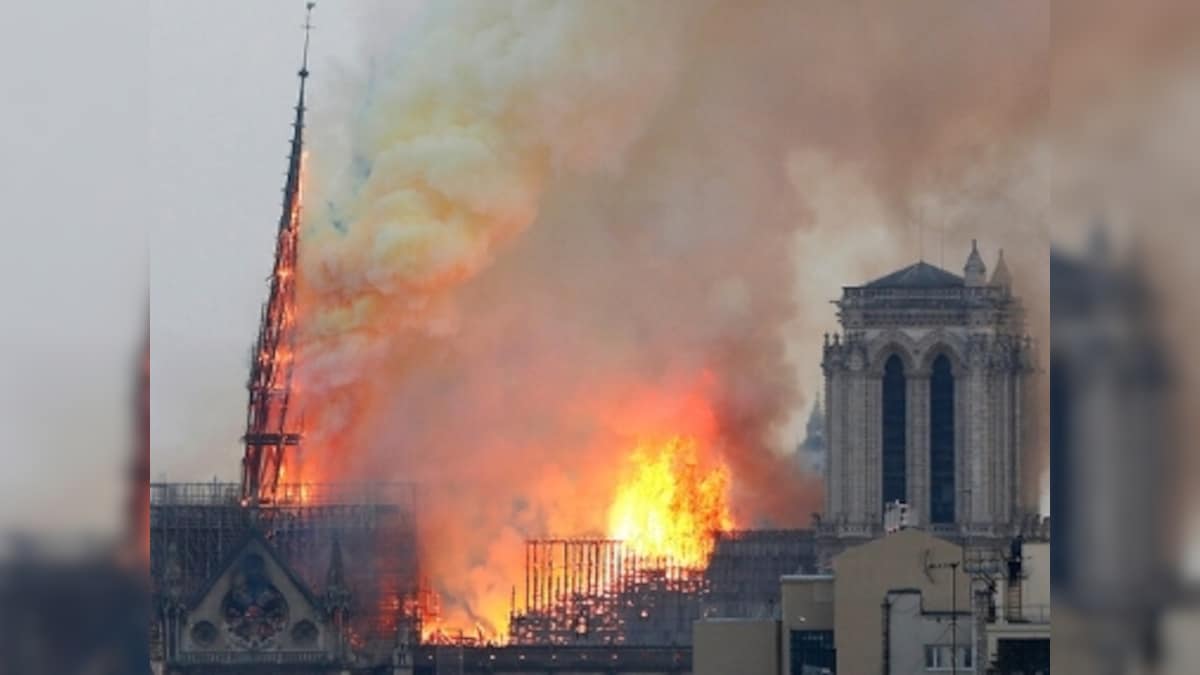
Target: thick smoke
(453, 151)
(554, 229)
(449, 154)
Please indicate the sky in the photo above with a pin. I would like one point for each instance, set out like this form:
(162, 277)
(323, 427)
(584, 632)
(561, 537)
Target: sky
(73, 268)
(143, 147)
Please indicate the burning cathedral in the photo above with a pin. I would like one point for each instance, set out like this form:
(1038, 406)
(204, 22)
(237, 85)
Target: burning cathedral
(924, 425)
(266, 576)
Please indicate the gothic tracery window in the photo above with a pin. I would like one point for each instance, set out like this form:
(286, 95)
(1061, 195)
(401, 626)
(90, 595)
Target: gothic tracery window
(941, 441)
(895, 411)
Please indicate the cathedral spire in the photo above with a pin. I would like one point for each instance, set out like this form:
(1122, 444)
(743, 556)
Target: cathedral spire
(269, 428)
(975, 272)
(337, 597)
(816, 418)
(307, 34)
(1001, 276)
(295, 159)
(335, 576)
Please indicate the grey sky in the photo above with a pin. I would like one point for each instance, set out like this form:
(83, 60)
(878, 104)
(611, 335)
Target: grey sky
(132, 132)
(72, 267)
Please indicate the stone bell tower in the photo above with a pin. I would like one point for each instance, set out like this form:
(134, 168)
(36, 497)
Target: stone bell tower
(925, 390)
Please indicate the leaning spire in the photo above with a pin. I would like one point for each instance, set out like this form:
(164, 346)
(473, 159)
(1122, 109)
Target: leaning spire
(270, 430)
(975, 272)
(1001, 276)
(291, 190)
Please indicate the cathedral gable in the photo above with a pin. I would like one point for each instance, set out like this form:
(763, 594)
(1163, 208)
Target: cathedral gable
(256, 606)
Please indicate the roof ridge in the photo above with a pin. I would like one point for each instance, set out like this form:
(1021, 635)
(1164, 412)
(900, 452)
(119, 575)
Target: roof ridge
(920, 274)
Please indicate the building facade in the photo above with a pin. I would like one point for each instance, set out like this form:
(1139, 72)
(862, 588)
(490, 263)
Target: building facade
(907, 602)
(925, 396)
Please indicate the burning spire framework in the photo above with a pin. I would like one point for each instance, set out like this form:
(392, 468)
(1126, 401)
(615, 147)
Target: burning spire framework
(271, 428)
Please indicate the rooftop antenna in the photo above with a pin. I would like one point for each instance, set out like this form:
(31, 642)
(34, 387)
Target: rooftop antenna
(921, 212)
(921, 238)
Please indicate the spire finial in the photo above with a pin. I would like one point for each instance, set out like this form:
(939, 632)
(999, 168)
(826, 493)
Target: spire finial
(337, 594)
(335, 577)
(307, 34)
(975, 272)
(921, 240)
(942, 245)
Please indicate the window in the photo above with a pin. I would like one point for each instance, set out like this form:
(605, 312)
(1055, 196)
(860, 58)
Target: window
(895, 431)
(941, 441)
(937, 657)
(1023, 657)
(1062, 466)
(813, 652)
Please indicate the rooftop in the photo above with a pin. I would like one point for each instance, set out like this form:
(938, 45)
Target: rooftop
(918, 275)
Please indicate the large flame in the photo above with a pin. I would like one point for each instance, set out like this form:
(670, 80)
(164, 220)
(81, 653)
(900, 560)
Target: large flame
(671, 504)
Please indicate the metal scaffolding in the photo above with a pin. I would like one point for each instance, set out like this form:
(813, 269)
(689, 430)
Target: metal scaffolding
(744, 570)
(198, 526)
(602, 592)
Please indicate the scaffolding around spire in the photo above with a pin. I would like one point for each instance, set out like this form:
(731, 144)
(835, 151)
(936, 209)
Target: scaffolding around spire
(271, 428)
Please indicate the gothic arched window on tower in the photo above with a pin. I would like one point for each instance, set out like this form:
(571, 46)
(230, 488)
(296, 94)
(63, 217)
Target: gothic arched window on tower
(895, 413)
(941, 442)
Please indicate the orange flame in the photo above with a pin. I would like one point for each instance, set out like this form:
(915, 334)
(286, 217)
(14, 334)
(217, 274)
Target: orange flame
(671, 505)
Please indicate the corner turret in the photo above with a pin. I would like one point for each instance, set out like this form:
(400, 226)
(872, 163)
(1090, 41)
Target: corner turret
(975, 272)
(1001, 276)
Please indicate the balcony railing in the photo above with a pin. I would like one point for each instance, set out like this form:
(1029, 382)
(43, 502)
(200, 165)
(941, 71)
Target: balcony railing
(1028, 614)
(952, 293)
(253, 658)
(194, 494)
